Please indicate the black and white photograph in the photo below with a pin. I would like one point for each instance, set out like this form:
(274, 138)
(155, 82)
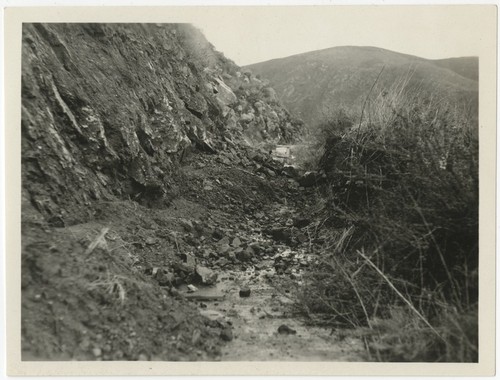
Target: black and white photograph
(254, 184)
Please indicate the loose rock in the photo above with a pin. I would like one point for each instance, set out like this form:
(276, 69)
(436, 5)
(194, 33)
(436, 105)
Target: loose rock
(290, 171)
(285, 330)
(244, 255)
(222, 249)
(245, 292)
(187, 225)
(206, 276)
(164, 278)
(236, 242)
(226, 334)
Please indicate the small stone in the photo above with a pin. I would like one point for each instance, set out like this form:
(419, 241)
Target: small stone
(143, 358)
(223, 241)
(192, 288)
(217, 234)
(188, 258)
(255, 247)
(236, 242)
(118, 355)
(151, 240)
(196, 337)
(285, 330)
(222, 262)
(174, 292)
(187, 225)
(226, 334)
(222, 249)
(290, 171)
(245, 292)
(84, 344)
(261, 215)
(206, 276)
(96, 351)
(301, 237)
(270, 172)
(244, 255)
(165, 278)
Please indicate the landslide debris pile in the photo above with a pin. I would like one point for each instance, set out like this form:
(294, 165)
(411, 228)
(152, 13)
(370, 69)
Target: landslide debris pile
(108, 111)
(136, 162)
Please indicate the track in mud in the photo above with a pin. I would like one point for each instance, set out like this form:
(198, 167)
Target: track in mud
(126, 298)
(264, 327)
(264, 324)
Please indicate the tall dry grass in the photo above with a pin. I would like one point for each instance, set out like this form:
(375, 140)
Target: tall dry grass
(402, 200)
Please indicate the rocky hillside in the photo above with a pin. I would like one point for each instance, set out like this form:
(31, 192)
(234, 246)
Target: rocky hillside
(313, 84)
(142, 147)
(109, 111)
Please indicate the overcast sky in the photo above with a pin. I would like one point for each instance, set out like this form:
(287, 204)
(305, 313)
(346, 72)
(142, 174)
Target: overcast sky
(256, 34)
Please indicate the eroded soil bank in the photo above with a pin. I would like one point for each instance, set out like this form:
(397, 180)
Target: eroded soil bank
(206, 278)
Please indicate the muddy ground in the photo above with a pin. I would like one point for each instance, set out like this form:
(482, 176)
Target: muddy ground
(210, 277)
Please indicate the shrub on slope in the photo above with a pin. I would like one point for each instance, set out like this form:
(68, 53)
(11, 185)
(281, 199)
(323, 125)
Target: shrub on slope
(403, 203)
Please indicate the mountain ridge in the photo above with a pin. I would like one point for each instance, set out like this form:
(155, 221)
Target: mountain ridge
(313, 83)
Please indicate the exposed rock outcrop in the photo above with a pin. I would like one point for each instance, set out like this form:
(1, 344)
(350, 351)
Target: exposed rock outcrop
(109, 110)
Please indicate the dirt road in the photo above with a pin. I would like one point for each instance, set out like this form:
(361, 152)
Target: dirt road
(104, 289)
(256, 301)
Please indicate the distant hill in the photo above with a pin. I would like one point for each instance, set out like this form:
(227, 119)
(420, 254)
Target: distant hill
(313, 84)
(467, 67)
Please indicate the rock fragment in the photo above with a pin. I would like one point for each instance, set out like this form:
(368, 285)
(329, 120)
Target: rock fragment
(226, 334)
(285, 330)
(97, 352)
(164, 278)
(236, 242)
(245, 292)
(205, 275)
(244, 254)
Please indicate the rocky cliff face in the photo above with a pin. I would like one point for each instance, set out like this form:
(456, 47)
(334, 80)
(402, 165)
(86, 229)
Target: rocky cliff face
(110, 110)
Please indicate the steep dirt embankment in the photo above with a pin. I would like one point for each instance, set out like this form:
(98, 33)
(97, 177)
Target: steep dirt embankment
(109, 110)
(135, 161)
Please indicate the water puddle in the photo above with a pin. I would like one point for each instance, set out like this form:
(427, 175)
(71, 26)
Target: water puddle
(264, 328)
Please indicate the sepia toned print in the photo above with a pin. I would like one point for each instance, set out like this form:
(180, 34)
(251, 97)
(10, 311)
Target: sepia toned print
(179, 206)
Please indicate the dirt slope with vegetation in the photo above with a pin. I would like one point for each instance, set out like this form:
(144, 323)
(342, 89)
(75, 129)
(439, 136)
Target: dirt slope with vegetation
(312, 85)
(110, 116)
(156, 225)
(109, 111)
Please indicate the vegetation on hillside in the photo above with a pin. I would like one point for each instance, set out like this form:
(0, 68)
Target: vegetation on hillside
(313, 84)
(402, 205)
